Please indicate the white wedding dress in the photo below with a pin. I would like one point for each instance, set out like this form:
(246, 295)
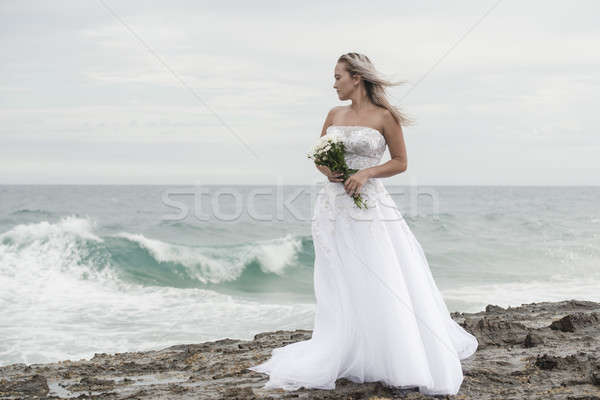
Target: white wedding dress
(379, 314)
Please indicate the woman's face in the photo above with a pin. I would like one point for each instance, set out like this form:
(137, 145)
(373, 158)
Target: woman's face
(344, 84)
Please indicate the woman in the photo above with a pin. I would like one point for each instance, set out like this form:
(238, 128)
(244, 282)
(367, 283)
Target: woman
(379, 314)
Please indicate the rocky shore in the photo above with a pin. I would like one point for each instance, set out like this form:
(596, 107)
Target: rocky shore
(534, 351)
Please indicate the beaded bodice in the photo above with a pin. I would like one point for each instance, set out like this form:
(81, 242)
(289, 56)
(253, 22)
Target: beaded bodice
(364, 145)
(364, 148)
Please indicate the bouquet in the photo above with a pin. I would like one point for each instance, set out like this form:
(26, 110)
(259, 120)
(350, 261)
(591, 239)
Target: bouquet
(330, 152)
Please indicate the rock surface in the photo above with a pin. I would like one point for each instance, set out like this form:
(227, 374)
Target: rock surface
(534, 351)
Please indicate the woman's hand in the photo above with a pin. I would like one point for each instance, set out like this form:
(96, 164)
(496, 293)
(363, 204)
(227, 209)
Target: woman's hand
(356, 181)
(332, 176)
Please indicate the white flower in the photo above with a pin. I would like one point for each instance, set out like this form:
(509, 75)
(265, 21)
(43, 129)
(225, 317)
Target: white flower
(324, 143)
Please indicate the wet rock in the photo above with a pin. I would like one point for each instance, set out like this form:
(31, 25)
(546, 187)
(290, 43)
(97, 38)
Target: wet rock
(88, 383)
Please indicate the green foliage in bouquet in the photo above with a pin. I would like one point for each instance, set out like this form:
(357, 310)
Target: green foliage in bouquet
(330, 152)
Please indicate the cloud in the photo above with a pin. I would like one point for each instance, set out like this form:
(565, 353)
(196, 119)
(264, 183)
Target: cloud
(523, 78)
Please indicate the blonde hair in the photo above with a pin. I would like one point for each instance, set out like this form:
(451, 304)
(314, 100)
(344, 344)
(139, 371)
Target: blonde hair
(375, 83)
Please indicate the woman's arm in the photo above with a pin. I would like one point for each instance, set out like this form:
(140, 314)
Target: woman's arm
(395, 141)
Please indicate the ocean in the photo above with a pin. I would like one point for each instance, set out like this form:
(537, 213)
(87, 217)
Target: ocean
(115, 268)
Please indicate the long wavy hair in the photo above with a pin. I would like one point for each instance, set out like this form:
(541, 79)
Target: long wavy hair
(375, 83)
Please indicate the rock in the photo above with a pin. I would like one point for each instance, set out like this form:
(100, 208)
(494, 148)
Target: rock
(532, 340)
(546, 362)
(595, 374)
(575, 321)
(556, 358)
(88, 383)
(491, 308)
(234, 393)
(35, 385)
(498, 331)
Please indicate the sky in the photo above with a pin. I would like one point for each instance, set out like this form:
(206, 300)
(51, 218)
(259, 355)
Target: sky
(232, 92)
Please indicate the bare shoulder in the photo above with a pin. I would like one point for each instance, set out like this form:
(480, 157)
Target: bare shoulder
(336, 110)
(390, 125)
(385, 113)
(330, 118)
(333, 112)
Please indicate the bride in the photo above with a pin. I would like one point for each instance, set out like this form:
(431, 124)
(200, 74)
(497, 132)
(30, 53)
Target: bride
(379, 314)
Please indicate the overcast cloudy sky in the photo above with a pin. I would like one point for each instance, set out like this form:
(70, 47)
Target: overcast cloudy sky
(184, 92)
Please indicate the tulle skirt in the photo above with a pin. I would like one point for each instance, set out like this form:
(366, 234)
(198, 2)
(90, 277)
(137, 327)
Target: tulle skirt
(379, 314)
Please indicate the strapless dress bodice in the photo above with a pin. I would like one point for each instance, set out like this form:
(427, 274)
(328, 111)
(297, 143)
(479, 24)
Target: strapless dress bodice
(364, 145)
(364, 148)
